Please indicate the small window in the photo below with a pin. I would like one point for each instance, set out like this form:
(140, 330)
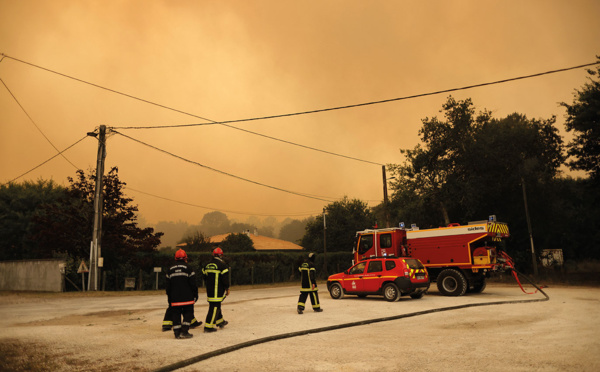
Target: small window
(414, 264)
(389, 265)
(375, 266)
(385, 240)
(365, 243)
(358, 268)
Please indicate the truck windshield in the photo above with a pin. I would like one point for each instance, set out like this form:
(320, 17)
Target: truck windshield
(365, 243)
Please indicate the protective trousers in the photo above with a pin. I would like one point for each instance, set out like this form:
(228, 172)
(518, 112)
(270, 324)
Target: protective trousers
(214, 316)
(187, 312)
(167, 323)
(314, 299)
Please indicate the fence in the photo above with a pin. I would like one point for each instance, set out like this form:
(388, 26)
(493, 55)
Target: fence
(245, 269)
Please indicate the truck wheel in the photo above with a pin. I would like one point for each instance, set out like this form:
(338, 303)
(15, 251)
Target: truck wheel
(451, 282)
(391, 292)
(479, 286)
(335, 291)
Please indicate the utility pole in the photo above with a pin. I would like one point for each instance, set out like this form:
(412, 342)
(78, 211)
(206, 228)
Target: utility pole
(533, 258)
(95, 249)
(385, 198)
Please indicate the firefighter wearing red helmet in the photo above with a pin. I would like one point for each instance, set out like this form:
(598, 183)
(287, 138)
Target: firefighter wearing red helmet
(308, 285)
(216, 279)
(182, 293)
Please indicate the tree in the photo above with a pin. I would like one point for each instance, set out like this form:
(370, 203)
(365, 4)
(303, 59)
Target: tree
(67, 226)
(197, 242)
(173, 232)
(293, 230)
(238, 242)
(215, 223)
(428, 168)
(583, 118)
(19, 203)
(473, 165)
(344, 218)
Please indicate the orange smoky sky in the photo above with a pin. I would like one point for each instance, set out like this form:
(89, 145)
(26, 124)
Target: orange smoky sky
(229, 60)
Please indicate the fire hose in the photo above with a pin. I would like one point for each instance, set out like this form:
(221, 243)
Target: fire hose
(229, 349)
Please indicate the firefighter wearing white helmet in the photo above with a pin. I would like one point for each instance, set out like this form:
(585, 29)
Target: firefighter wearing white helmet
(308, 285)
(182, 293)
(216, 279)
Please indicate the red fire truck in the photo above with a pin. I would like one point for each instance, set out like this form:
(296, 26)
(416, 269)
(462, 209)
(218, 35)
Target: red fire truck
(457, 257)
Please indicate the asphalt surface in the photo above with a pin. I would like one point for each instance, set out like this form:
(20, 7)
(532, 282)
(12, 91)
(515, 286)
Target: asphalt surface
(123, 332)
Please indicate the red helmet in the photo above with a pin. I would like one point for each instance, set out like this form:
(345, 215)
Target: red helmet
(218, 252)
(180, 255)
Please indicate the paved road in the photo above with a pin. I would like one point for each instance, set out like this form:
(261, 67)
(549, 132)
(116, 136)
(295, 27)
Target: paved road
(123, 332)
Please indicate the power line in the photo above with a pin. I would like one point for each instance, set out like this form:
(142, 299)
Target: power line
(39, 165)
(210, 122)
(36, 126)
(369, 103)
(226, 123)
(224, 210)
(222, 172)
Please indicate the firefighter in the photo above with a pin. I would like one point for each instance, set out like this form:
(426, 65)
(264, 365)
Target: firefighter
(216, 277)
(182, 293)
(308, 285)
(167, 323)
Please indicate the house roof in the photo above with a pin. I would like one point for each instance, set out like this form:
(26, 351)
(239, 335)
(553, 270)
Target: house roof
(263, 243)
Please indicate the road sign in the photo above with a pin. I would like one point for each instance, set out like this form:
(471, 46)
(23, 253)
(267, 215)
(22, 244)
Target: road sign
(82, 268)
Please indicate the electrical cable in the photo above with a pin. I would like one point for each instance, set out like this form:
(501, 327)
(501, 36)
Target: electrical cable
(211, 122)
(420, 95)
(34, 123)
(229, 349)
(39, 165)
(296, 113)
(224, 210)
(222, 172)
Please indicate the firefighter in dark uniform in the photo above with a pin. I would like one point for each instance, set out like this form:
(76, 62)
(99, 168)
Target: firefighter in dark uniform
(216, 278)
(182, 293)
(308, 285)
(167, 323)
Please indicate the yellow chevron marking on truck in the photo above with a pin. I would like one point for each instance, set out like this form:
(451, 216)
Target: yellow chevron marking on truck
(498, 228)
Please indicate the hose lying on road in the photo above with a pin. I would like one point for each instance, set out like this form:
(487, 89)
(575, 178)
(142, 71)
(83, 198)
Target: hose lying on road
(228, 349)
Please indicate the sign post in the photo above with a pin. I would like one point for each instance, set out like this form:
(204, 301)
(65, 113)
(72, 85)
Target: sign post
(82, 270)
(157, 270)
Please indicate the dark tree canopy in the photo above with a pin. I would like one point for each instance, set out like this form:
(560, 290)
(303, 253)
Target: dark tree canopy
(197, 242)
(238, 242)
(293, 230)
(67, 226)
(343, 219)
(19, 205)
(470, 164)
(215, 223)
(583, 119)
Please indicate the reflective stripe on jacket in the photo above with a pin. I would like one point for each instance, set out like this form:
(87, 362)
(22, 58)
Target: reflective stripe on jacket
(307, 277)
(216, 277)
(181, 285)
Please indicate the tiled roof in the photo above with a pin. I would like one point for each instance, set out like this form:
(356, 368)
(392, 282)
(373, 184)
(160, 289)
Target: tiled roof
(263, 243)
